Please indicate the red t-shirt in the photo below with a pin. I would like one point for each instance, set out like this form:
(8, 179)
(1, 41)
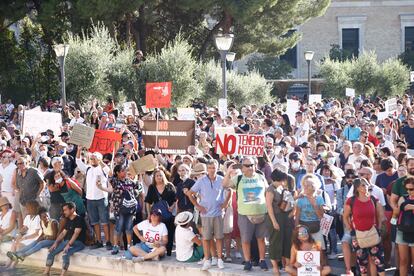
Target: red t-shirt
(364, 215)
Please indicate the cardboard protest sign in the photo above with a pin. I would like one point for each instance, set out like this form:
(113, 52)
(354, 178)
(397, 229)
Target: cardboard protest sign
(326, 223)
(291, 108)
(239, 144)
(174, 136)
(104, 141)
(158, 95)
(130, 108)
(222, 107)
(315, 98)
(349, 92)
(391, 105)
(186, 114)
(82, 135)
(310, 260)
(35, 122)
(144, 164)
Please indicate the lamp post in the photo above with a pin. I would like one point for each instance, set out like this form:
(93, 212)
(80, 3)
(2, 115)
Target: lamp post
(308, 58)
(223, 43)
(61, 51)
(230, 56)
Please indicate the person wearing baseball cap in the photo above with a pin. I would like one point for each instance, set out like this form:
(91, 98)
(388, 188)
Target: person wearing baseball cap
(154, 239)
(7, 220)
(185, 238)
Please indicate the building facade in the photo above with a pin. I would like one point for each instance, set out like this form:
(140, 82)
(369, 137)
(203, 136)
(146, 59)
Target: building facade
(386, 26)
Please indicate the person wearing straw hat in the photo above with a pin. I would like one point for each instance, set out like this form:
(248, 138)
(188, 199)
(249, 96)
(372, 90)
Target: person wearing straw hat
(7, 220)
(187, 244)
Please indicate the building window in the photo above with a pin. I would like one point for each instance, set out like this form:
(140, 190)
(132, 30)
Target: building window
(350, 42)
(290, 56)
(409, 39)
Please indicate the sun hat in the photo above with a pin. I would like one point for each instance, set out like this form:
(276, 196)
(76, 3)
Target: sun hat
(4, 201)
(183, 218)
(199, 169)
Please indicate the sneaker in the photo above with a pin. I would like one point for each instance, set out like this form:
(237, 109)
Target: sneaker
(332, 256)
(138, 259)
(96, 245)
(115, 250)
(206, 265)
(238, 255)
(11, 256)
(220, 263)
(200, 262)
(263, 265)
(228, 260)
(108, 245)
(213, 261)
(248, 266)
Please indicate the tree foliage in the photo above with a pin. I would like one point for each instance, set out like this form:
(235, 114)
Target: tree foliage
(270, 67)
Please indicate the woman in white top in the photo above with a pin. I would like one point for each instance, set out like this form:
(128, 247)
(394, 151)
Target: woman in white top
(7, 220)
(30, 231)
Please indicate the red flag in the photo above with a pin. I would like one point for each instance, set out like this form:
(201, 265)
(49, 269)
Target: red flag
(158, 95)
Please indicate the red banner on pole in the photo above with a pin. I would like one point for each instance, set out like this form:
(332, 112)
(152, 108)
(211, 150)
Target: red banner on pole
(158, 95)
(104, 141)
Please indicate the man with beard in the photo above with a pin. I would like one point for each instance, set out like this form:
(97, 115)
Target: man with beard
(398, 191)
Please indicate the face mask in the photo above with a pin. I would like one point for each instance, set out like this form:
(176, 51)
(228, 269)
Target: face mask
(295, 166)
(352, 125)
(59, 180)
(331, 160)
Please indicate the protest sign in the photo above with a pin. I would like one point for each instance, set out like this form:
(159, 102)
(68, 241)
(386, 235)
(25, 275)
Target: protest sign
(350, 92)
(411, 76)
(222, 107)
(173, 136)
(382, 115)
(186, 114)
(35, 122)
(130, 108)
(158, 95)
(144, 164)
(315, 98)
(310, 260)
(391, 105)
(104, 141)
(291, 108)
(326, 223)
(82, 135)
(230, 143)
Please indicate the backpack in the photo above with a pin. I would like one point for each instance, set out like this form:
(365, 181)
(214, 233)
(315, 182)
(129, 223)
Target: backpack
(129, 203)
(406, 223)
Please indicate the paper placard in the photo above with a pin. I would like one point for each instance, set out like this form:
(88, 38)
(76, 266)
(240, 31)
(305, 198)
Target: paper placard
(35, 122)
(291, 109)
(391, 105)
(382, 115)
(222, 107)
(310, 260)
(186, 114)
(104, 141)
(228, 143)
(130, 108)
(144, 164)
(315, 98)
(412, 76)
(350, 92)
(158, 94)
(82, 135)
(326, 223)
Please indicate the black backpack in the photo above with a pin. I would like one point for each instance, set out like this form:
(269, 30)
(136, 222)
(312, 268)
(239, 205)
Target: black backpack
(129, 203)
(406, 223)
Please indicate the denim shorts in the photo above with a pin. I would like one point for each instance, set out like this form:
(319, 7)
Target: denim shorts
(98, 211)
(347, 238)
(124, 223)
(144, 247)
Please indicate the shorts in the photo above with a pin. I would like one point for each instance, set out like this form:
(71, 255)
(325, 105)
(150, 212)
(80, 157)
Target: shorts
(98, 211)
(347, 238)
(212, 226)
(124, 223)
(144, 247)
(249, 230)
(198, 254)
(399, 239)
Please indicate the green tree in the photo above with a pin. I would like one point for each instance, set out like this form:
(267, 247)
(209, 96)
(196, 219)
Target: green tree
(270, 67)
(364, 73)
(336, 75)
(393, 78)
(407, 58)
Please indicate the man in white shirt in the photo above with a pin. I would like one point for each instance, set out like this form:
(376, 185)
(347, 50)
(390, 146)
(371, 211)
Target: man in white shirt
(375, 191)
(357, 157)
(7, 172)
(383, 142)
(301, 129)
(96, 198)
(77, 119)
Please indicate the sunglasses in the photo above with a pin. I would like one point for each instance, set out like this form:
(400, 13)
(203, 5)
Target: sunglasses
(303, 233)
(248, 165)
(410, 189)
(19, 163)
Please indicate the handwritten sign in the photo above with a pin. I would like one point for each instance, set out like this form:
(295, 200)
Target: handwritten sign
(239, 144)
(35, 122)
(158, 95)
(186, 114)
(349, 92)
(222, 107)
(104, 141)
(310, 260)
(326, 223)
(391, 105)
(82, 135)
(411, 76)
(315, 98)
(144, 164)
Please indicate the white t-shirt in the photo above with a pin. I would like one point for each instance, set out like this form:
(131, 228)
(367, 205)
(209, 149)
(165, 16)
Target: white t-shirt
(92, 191)
(74, 121)
(302, 132)
(376, 192)
(183, 243)
(7, 174)
(33, 224)
(356, 160)
(152, 233)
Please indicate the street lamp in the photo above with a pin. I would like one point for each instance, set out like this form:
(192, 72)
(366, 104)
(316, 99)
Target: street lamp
(230, 56)
(61, 51)
(308, 58)
(223, 43)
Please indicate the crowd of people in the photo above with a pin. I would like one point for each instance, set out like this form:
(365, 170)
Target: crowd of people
(339, 158)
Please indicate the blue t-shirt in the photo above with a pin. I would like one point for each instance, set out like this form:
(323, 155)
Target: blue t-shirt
(211, 194)
(409, 136)
(383, 181)
(352, 133)
(307, 213)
